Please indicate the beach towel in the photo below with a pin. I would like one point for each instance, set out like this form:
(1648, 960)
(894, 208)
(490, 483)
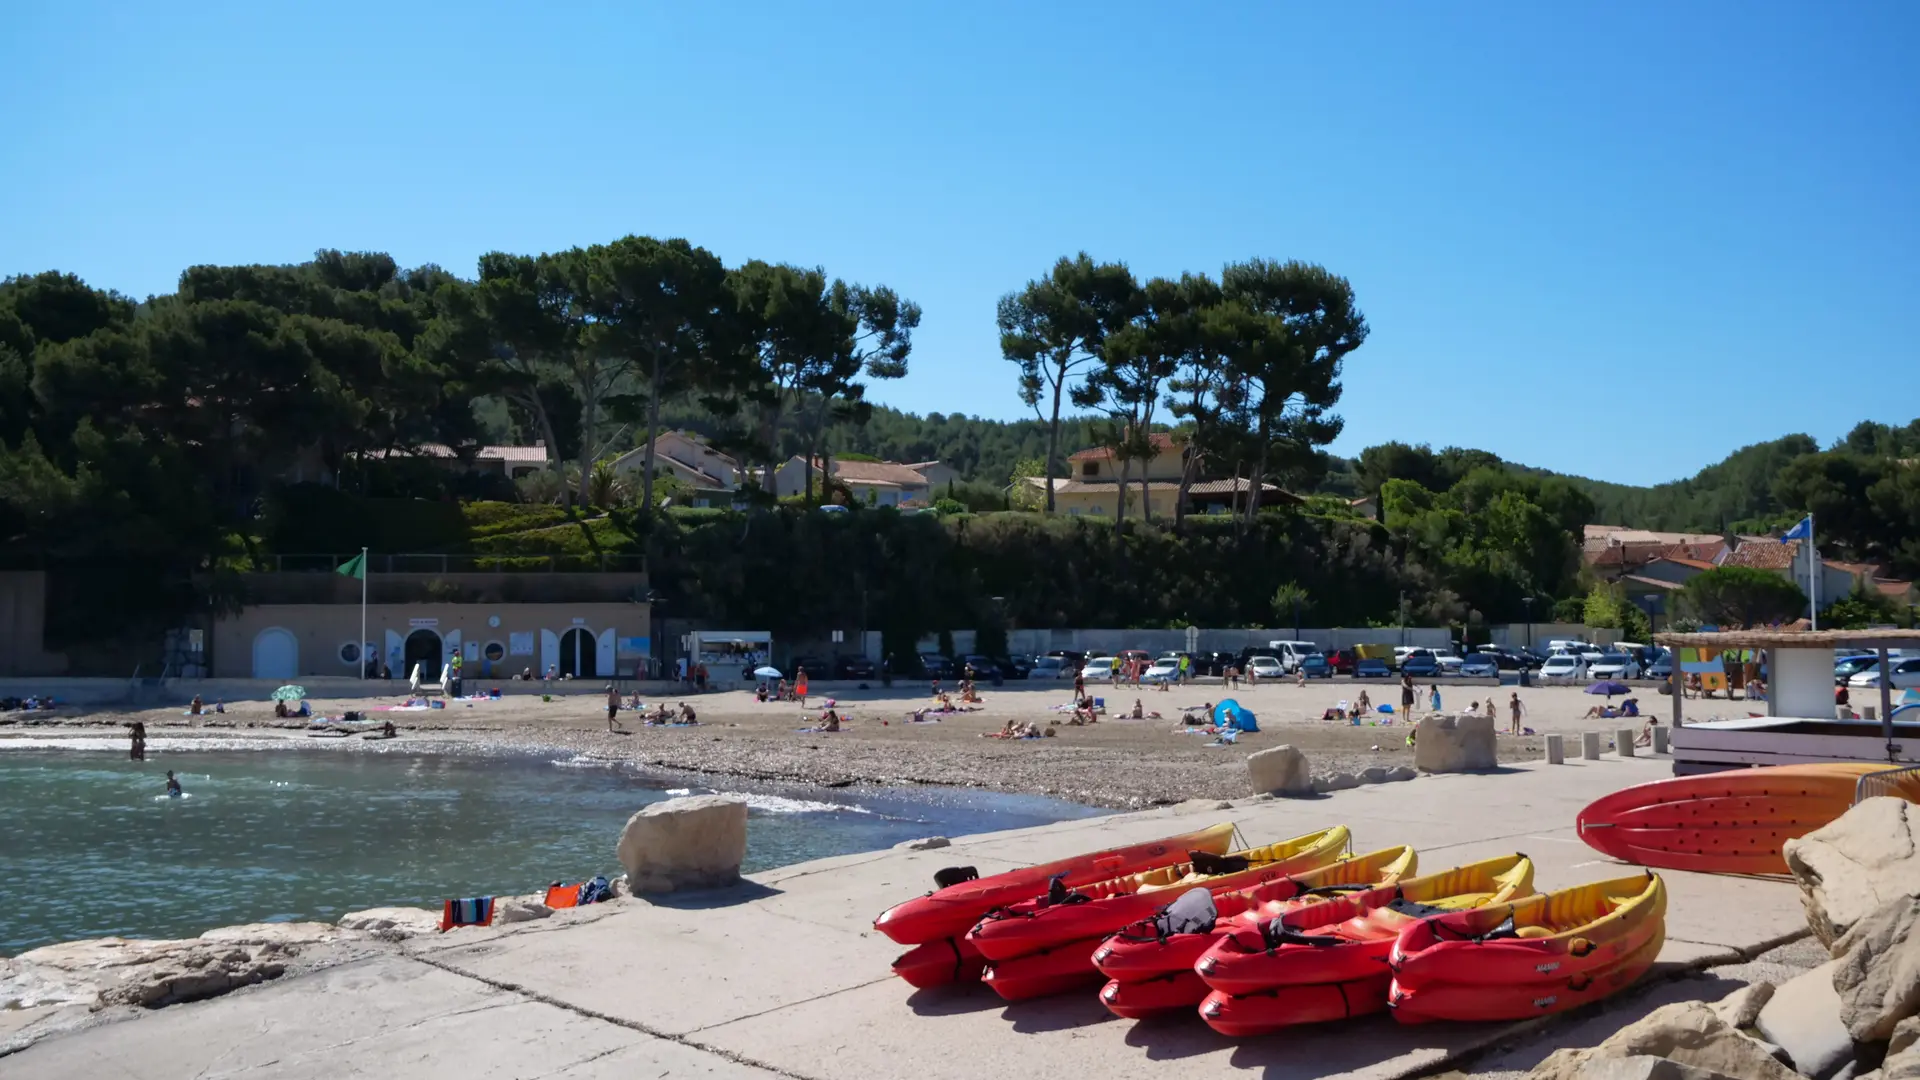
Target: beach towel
(474, 912)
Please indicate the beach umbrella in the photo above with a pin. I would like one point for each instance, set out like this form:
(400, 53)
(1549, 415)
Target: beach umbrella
(768, 672)
(1609, 687)
(289, 692)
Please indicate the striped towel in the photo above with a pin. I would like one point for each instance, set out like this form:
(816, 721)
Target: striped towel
(475, 912)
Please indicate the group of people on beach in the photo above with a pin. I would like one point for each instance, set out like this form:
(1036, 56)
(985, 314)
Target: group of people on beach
(659, 716)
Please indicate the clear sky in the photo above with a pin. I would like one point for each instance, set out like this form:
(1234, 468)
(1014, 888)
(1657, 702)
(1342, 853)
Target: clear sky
(1618, 240)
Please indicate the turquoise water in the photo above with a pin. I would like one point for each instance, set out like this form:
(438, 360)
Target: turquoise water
(92, 846)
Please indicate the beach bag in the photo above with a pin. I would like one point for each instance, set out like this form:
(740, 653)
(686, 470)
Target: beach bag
(595, 891)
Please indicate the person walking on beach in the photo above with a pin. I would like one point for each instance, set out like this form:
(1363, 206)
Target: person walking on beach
(1406, 693)
(613, 705)
(1518, 710)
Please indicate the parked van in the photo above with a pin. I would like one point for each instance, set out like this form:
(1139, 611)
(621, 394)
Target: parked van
(1290, 653)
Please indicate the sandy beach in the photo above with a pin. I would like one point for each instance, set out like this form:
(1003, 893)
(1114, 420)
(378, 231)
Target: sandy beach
(1117, 762)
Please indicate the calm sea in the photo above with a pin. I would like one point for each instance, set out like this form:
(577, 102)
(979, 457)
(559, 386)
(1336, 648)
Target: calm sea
(93, 846)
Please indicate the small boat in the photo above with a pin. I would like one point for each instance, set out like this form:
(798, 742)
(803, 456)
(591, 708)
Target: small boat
(1090, 912)
(1150, 948)
(952, 909)
(940, 963)
(1329, 959)
(1537, 955)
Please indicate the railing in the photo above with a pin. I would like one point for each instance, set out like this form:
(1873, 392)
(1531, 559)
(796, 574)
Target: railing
(1894, 782)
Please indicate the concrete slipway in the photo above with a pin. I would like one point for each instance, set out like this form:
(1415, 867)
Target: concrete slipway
(784, 976)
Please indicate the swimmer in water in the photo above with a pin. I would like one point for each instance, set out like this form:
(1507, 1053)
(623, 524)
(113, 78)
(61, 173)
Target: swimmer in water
(173, 786)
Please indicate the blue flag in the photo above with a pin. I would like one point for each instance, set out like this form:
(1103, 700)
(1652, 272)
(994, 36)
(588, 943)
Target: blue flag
(1802, 531)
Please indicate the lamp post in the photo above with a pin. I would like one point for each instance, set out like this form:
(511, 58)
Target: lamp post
(1527, 602)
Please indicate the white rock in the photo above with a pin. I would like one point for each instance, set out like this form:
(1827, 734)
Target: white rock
(1282, 770)
(513, 909)
(1856, 863)
(925, 843)
(1877, 971)
(1455, 744)
(1687, 1032)
(1339, 781)
(1742, 1007)
(280, 934)
(1375, 774)
(695, 842)
(1403, 772)
(392, 920)
(1646, 1067)
(1803, 1018)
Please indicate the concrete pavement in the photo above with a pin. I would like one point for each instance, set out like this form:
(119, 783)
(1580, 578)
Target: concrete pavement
(785, 977)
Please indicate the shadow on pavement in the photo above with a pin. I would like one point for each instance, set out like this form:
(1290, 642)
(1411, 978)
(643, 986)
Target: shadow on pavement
(744, 893)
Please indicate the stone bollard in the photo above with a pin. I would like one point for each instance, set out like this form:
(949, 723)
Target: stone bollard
(1660, 740)
(1623, 741)
(1590, 745)
(1455, 744)
(1556, 748)
(1867, 713)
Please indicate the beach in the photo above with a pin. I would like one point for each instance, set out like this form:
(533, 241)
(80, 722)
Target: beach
(1117, 763)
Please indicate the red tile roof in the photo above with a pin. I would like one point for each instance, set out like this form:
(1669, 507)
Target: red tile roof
(875, 472)
(1766, 554)
(1160, 440)
(1894, 588)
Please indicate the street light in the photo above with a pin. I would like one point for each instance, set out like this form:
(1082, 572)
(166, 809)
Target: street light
(1527, 602)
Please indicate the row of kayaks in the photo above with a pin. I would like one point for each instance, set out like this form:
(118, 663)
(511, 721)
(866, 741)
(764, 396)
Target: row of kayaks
(1290, 933)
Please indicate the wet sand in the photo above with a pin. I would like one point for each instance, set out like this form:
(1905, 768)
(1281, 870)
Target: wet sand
(1117, 762)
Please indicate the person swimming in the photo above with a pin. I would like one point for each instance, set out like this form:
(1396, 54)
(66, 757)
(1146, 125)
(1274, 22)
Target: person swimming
(173, 785)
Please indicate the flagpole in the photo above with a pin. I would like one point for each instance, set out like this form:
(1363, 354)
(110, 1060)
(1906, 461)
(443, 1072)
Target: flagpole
(363, 614)
(1813, 578)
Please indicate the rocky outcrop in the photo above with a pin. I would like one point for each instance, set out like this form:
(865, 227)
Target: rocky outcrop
(928, 843)
(1280, 771)
(283, 934)
(1742, 1007)
(1877, 971)
(1803, 1019)
(1853, 865)
(513, 909)
(391, 921)
(1647, 1067)
(1687, 1033)
(121, 971)
(1446, 744)
(696, 842)
(1339, 781)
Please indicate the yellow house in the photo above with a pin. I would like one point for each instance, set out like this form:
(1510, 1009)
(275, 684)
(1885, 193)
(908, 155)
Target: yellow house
(1091, 487)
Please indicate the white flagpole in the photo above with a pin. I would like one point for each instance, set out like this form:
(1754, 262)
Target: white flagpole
(363, 614)
(1813, 579)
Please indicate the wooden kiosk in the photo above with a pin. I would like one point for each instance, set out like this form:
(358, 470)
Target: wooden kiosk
(1800, 724)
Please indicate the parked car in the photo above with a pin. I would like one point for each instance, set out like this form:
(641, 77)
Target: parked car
(852, 667)
(1165, 669)
(1316, 666)
(1128, 656)
(1903, 674)
(1371, 667)
(1265, 667)
(1853, 665)
(1099, 669)
(1342, 661)
(1194, 660)
(1290, 653)
(1420, 663)
(1614, 665)
(1069, 659)
(814, 666)
(1051, 667)
(1479, 666)
(1507, 658)
(984, 667)
(1449, 662)
(1563, 667)
(1660, 665)
(935, 666)
(1214, 663)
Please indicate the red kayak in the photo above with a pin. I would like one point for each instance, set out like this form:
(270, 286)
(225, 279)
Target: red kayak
(1093, 911)
(949, 912)
(1171, 992)
(1518, 1001)
(1040, 974)
(1241, 1015)
(940, 963)
(1147, 949)
(1348, 940)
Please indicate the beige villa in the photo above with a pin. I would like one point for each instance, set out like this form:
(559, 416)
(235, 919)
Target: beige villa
(874, 483)
(714, 477)
(1092, 485)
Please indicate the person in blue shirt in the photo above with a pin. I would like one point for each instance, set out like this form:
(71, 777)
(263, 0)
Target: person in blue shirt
(173, 785)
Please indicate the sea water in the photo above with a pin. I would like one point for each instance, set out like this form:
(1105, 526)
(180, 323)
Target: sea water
(92, 845)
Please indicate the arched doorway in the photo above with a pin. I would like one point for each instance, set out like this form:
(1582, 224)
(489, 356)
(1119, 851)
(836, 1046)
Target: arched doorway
(423, 648)
(276, 654)
(577, 654)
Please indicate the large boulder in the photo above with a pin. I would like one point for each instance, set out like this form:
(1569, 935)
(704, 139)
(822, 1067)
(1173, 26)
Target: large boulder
(1687, 1032)
(394, 921)
(1647, 1067)
(1280, 771)
(1455, 744)
(1856, 863)
(1903, 1052)
(1742, 1007)
(1877, 970)
(695, 842)
(1803, 1018)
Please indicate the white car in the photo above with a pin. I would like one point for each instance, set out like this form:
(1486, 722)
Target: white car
(1449, 663)
(1266, 667)
(1904, 674)
(1614, 665)
(1098, 669)
(1563, 667)
(1165, 669)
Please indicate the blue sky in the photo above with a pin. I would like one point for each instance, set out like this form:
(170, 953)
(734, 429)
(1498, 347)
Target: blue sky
(1620, 240)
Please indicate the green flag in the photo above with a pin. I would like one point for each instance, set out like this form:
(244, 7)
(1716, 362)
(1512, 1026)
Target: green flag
(355, 567)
